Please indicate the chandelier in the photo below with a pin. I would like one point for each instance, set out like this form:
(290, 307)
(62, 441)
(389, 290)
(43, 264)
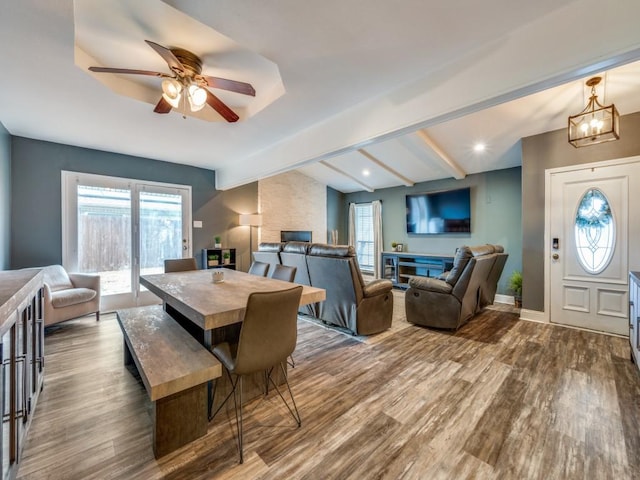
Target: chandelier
(596, 123)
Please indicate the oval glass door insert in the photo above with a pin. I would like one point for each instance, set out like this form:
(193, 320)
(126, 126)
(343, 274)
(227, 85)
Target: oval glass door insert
(594, 231)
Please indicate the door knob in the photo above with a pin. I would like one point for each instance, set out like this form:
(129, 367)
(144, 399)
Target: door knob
(555, 256)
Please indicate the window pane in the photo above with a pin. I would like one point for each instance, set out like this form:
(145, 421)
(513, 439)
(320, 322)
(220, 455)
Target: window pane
(594, 231)
(104, 236)
(364, 236)
(160, 230)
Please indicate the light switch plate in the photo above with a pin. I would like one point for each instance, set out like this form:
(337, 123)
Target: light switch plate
(197, 224)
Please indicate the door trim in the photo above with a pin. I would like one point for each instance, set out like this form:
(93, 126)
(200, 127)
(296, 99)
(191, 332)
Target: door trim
(547, 221)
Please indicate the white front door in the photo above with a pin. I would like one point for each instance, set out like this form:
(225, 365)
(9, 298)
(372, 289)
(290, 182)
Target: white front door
(589, 257)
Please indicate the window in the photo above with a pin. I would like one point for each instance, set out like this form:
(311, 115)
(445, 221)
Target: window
(364, 236)
(594, 231)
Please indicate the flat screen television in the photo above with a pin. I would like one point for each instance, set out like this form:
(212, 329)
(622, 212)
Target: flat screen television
(432, 213)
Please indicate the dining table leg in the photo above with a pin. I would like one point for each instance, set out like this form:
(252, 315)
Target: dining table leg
(208, 343)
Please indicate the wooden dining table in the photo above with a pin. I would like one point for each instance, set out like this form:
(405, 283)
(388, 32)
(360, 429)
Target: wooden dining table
(213, 312)
(210, 305)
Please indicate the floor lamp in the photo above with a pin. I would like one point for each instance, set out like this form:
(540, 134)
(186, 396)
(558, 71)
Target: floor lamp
(250, 220)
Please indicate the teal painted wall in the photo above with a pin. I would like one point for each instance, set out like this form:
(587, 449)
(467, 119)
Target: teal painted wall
(496, 203)
(5, 198)
(36, 235)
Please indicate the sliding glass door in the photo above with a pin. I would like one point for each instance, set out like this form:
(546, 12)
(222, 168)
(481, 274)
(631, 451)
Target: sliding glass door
(121, 229)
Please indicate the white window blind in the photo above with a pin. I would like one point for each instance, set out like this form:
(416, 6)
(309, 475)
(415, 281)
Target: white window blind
(364, 236)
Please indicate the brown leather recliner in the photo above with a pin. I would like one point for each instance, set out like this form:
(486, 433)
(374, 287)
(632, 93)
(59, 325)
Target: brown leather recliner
(363, 309)
(450, 303)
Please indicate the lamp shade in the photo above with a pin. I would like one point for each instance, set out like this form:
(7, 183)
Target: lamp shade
(254, 220)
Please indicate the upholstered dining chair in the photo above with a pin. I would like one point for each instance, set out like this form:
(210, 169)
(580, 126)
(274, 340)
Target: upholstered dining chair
(267, 337)
(259, 268)
(283, 272)
(180, 265)
(288, 274)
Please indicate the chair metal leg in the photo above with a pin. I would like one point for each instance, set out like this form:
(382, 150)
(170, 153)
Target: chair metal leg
(239, 423)
(291, 362)
(296, 415)
(236, 391)
(233, 389)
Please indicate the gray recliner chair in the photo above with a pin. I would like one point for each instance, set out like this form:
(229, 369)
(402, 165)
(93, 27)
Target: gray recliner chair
(450, 303)
(364, 309)
(490, 286)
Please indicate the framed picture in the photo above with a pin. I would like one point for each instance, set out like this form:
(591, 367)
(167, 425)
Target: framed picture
(399, 247)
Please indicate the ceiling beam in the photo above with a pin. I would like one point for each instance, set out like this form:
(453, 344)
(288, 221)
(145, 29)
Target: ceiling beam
(446, 161)
(351, 177)
(407, 181)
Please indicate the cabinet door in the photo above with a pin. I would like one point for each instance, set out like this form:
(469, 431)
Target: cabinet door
(9, 443)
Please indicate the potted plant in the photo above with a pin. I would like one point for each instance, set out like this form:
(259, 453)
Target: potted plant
(227, 258)
(212, 260)
(515, 285)
(393, 246)
(217, 241)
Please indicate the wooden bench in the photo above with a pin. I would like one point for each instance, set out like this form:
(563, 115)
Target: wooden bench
(175, 370)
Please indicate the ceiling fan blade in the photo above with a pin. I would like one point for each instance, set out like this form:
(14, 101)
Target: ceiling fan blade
(128, 71)
(231, 85)
(163, 106)
(217, 104)
(167, 55)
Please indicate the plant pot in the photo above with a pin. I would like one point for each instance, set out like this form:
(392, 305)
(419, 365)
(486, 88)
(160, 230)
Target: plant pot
(217, 245)
(227, 261)
(211, 263)
(517, 301)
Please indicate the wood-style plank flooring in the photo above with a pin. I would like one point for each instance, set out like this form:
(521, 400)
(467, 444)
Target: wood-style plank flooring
(499, 399)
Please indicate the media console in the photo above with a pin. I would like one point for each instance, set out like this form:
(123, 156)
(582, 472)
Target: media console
(399, 267)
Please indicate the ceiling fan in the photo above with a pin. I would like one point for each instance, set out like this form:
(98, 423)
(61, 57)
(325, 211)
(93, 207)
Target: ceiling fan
(186, 83)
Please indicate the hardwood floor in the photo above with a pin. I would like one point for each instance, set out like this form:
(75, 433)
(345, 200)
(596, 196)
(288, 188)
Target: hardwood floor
(499, 399)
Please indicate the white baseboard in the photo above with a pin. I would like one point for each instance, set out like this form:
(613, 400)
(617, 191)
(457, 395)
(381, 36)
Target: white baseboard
(533, 316)
(506, 299)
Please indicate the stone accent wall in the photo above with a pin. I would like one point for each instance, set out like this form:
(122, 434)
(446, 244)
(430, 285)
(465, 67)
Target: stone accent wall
(292, 201)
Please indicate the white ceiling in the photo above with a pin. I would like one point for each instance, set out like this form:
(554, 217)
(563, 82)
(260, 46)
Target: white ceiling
(360, 78)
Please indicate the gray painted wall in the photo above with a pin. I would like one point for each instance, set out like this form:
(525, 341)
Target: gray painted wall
(36, 236)
(5, 198)
(551, 150)
(336, 215)
(496, 204)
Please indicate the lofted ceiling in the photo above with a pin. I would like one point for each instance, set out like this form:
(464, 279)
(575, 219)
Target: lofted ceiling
(402, 90)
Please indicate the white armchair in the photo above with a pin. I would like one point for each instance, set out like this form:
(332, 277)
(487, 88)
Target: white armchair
(69, 295)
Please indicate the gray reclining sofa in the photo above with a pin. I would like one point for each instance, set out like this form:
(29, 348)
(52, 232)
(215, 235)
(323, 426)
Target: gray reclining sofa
(362, 308)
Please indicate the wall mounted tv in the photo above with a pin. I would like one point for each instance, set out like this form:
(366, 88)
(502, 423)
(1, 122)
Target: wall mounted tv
(439, 212)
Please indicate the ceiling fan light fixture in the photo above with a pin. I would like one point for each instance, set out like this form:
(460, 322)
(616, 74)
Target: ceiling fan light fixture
(596, 123)
(197, 97)
(171, 90)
